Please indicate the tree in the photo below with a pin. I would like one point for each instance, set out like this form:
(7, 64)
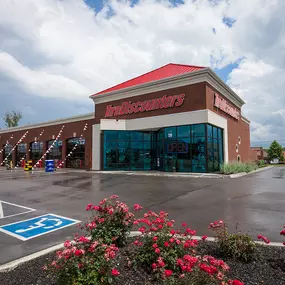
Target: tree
(12, 119)
(275, 151)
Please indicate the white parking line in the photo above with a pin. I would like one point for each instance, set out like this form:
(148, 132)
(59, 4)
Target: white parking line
(29, 210)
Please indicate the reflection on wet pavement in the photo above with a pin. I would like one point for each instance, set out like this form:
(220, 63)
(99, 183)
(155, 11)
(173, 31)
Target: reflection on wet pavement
(280, 174)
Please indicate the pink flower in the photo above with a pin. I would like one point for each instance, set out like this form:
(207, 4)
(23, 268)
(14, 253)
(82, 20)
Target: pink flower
(153, 266)
(136, 242)
(114, 197)
(83, 239)
(263, 238)
(167, 273)
(89, 207)
(182, 276)
(155, 238)
(142, 229)
(137, 207)
(236, 282)
(178, 241)
(161, 263)
(103, 201)
(79, 252)
(157, 250)
(166, 244)
(172, 240)
(96, 208)
(155, 245)
(184, 225)
(172, 232)
(169, 224)
(136, 222)
(191, 232)
(115, 272)
(204, 238)
(67, 243)
(282, 233)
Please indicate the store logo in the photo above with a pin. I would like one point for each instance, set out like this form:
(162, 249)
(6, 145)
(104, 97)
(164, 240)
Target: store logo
(128, 107)
(223, 105)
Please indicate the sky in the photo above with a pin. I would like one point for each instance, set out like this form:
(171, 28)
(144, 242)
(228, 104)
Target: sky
(55, 53)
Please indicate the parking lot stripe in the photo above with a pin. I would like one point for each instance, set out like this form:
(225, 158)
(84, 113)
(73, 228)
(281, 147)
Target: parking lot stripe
(9, 216)
(16, 205)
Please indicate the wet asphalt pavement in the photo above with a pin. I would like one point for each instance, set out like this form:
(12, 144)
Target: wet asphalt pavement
(255, 202)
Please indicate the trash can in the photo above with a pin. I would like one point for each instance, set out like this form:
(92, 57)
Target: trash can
(49, 165)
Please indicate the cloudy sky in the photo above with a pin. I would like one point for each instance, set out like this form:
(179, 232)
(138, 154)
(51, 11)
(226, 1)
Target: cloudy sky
(55, 53)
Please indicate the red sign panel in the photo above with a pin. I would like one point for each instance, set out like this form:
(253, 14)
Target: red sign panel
(223, 105)
(128, 107)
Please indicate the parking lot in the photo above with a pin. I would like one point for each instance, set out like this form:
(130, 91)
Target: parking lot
(57, 201)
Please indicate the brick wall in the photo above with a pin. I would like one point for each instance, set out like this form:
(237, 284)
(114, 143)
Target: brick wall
(238, 130)
(70, 130)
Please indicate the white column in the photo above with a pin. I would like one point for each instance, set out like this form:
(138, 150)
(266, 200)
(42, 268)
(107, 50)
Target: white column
(96, 147)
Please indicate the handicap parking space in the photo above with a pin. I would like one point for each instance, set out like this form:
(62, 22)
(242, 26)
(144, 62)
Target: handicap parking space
(40, 211)
(37, 226)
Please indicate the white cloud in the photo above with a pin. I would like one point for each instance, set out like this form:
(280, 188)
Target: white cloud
(64, 49)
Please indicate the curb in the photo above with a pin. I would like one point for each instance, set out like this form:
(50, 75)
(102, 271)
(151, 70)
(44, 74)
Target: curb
(163, 174)
(15, 263)
(241, 174)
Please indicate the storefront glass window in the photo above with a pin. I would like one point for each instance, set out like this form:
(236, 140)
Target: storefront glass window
(7, 152)
(170, 133)
(183, 131)
(77, 157)
(181, 148)
(55, 151)
(36, 150)
(21, 152)
(198, 130)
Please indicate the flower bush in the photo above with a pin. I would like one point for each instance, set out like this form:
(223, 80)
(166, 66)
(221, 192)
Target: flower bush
(111, 221)
(238, 246)
(168, 253)
(85, 262)
(171, 254)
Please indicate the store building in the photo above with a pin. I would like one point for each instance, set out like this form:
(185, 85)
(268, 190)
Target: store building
(175, 118)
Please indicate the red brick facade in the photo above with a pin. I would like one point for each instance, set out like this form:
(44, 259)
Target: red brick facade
(72, 129)
(199, 96)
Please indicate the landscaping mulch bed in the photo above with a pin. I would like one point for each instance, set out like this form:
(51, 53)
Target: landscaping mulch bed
(267, 268)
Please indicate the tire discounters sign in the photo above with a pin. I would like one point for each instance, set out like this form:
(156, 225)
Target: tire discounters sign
(223, 105)
(128, 107)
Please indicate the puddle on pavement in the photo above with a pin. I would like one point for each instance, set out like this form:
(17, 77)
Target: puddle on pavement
(280, 174)
(70, 182)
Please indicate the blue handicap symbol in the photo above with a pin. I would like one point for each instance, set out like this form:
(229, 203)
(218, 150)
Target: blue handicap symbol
(38, 226)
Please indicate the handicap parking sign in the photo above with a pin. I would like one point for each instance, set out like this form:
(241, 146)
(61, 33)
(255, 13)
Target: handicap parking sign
(37, 226)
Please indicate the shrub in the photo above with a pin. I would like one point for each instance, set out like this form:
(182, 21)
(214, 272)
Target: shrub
(238, 246)
(83, 262)
(111, 221)
(171, 254)
(261, 163)
(237, 167)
